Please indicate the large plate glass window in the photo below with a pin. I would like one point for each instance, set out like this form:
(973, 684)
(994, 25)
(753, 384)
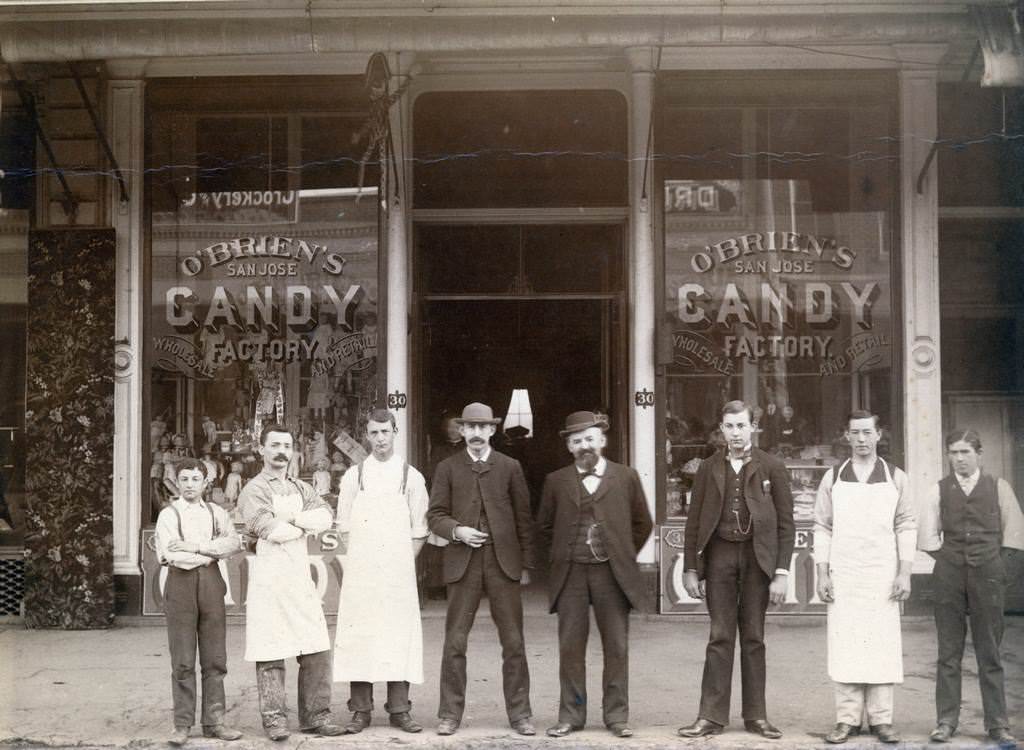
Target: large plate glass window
(780, 259)
(263, 259)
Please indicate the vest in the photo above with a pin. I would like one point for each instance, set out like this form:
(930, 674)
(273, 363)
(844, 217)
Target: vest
(734, 524)
(585, 521)
(481, 521)
(972, 527)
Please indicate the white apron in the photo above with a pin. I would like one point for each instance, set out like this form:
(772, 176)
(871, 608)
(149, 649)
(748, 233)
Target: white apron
(284, 616)
(864, 640)
(379, 636)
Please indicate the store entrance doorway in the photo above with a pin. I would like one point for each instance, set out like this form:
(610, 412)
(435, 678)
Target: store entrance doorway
(536, 311)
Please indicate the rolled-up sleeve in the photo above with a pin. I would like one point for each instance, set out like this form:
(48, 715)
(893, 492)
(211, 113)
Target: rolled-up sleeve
(347, 489)
(905, 520)
(418, 499)
(1012, 517)
(823, 519)
(929, 522)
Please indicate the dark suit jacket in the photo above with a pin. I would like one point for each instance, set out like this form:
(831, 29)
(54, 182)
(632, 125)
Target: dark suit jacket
(771, 510)
(619, 506)
(454, 501)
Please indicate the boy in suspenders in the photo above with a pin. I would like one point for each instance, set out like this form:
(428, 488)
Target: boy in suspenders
(191, 536)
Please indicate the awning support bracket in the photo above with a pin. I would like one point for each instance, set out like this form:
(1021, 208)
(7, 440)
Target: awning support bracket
(69, 203)
(100, 132)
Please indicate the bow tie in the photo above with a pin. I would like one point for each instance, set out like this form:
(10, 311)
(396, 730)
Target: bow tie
(590, 473)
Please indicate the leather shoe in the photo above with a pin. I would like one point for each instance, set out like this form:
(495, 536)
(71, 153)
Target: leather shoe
(221, 732)
(360, 721)
(562, 729)
(326, 730)
(620, 729)
(524, 727)
(179, 737)
(447, 726)
(700, 728)
(277, 734)
(841, 733)
(404, 722)
(942, 733)
(885, 733)
(762, 727)
(1002, 736)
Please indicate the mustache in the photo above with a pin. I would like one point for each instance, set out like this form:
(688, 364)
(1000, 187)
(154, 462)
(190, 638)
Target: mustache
(477, 440)
(281, 456)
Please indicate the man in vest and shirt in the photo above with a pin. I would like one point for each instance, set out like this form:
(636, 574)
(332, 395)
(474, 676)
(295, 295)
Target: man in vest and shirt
(593, 519)
(865, 536)
(736, 552)
(972, 525)
(284, 614)
(382, 520)
(480, 502)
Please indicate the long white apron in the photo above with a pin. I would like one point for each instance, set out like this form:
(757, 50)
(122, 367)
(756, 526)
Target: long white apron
(864, 641)
(379, 636)
(284, 616)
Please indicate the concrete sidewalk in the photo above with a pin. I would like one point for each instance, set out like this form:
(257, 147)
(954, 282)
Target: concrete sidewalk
(111, 689)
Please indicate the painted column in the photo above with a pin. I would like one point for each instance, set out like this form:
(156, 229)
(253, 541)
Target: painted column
(643, 428)
(124, 129)
(398, 270)
(922, 401)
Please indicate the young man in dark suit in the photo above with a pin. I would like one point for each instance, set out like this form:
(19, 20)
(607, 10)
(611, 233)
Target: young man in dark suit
(736, 552)
(594, 518)
(480, 502)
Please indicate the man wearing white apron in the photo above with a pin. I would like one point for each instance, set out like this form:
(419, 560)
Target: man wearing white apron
(865, 536)
(382, 519)
(284, 614)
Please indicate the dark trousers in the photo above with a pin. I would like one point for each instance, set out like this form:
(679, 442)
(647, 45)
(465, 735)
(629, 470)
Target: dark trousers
(314, 691)
(194, 607)
(975, 594)
(737, 595)
(593, 585)
(484, 576)
(361, 697)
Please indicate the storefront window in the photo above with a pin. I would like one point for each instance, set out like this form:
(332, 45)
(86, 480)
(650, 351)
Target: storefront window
(17, 154)
(264, 268)
(779, 272)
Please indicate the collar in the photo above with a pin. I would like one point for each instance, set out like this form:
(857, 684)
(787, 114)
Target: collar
(598, 471)
(270, 476)
(970, 478)
(745, 456)
(200, 503)
(484, 458)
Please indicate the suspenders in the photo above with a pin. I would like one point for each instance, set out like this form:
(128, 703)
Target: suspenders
(213, 522)
(405, 476)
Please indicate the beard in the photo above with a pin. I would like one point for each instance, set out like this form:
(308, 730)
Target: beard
(586, 458)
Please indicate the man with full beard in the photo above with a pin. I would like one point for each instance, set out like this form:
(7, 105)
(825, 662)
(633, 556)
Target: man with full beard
(594, 519)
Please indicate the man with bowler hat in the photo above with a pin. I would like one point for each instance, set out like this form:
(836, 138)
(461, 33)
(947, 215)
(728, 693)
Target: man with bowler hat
(480, 502)
(594, 519)
(736, 551)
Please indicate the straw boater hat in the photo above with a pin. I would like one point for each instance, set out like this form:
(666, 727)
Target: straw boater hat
(477, 413)
(582, 420)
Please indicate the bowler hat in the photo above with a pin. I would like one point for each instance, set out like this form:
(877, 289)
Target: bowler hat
(582, 420)
(477, 413)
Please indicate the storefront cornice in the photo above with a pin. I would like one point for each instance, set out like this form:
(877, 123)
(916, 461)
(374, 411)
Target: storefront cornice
(83, 35)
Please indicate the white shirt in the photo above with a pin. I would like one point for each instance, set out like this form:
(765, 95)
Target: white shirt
(196, 526)
(968, 483)
(484, 457)
(385, 476)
